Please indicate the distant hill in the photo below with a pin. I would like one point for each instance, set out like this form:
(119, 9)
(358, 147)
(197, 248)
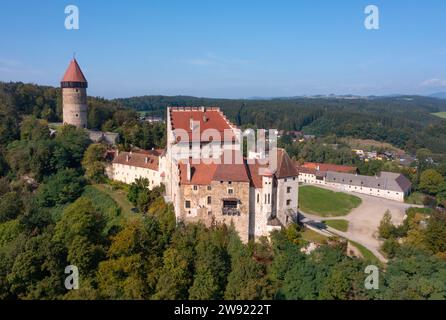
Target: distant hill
(438, 95)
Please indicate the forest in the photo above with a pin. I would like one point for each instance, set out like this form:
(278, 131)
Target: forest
(405, 122)
(55, 212)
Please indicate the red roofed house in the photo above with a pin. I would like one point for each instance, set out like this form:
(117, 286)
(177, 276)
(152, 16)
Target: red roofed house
(247, 194)
(315, 172)
(129, 166)
(195, 132)
(255, 196)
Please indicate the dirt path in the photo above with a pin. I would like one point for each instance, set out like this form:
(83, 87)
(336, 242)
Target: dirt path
(364, 220)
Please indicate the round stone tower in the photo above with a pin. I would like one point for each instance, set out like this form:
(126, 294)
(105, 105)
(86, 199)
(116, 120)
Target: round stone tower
(74, 96)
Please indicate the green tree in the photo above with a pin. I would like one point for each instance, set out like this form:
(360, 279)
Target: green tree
(63, 187)
(34, 129)
(386, 228)
(430, 181)
(10, 206)
(414, 275)
(435, 234)
(94, 162)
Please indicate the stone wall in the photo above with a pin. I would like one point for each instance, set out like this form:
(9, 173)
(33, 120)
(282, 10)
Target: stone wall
(75, 106)
(201, 211)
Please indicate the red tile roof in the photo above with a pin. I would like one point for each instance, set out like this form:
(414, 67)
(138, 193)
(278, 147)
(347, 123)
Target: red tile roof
(205, 173)
(302, 169)
(141, 159)
(208, 118)
(74, 73)
(285, 169)
(285, 166)
(329, 167)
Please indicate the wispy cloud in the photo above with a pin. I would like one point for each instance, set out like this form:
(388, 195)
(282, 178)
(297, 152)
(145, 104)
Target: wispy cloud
(434, 82)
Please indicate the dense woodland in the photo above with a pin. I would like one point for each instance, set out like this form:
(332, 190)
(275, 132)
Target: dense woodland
(53, 214)
(405, 122)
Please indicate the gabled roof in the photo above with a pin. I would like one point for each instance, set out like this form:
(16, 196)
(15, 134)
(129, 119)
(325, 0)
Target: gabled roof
(329, 167)
(207, 118)
(384, 181)
(285, 166)
(204, 173)
(148, 159)
(74, 73)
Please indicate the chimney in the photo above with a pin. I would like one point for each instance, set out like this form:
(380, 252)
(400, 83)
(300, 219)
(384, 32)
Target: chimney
(188, 172)
(191, 123)
(127, 158)
(205, 118)
(146, 160)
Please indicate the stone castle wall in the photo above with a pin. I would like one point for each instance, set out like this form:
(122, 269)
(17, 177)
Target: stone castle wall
(201, 211)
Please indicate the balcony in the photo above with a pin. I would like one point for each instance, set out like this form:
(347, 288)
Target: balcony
(227, 211)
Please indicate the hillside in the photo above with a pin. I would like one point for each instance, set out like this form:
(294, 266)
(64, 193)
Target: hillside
(405, 122)
(408, 123)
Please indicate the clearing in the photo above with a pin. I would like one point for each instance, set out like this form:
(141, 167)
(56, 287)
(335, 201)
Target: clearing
(326, 203)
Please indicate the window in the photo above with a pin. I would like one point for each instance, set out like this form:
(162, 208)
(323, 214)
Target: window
(209, 188)
(258, 198)
(230, 191)
(288, 202)
(229, 182)
(265, 199)
(195, 188)
(209, 200)
(269, 198)
(286, 179)
(288, 190)
(187, 204)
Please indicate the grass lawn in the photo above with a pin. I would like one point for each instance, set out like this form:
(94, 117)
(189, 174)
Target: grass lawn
(415, 198)
(120, 197)
(341, 225)
(326, 203)
(366, 253)
(312, 236)
(440, 114)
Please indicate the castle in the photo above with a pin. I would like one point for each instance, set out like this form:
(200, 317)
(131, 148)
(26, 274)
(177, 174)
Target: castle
(205, 175)
(215, 185)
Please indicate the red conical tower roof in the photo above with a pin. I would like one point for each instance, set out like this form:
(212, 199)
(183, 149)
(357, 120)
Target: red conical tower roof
(74, 73)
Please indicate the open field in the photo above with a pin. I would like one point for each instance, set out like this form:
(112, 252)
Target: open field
(369, 144)
(120, 197)
(341, 225)
(326, 203)
(440, 114)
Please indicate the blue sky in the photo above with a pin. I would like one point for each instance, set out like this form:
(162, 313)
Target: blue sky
(229, 48)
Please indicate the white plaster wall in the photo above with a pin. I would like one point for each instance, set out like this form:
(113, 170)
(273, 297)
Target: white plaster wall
(129, 174)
